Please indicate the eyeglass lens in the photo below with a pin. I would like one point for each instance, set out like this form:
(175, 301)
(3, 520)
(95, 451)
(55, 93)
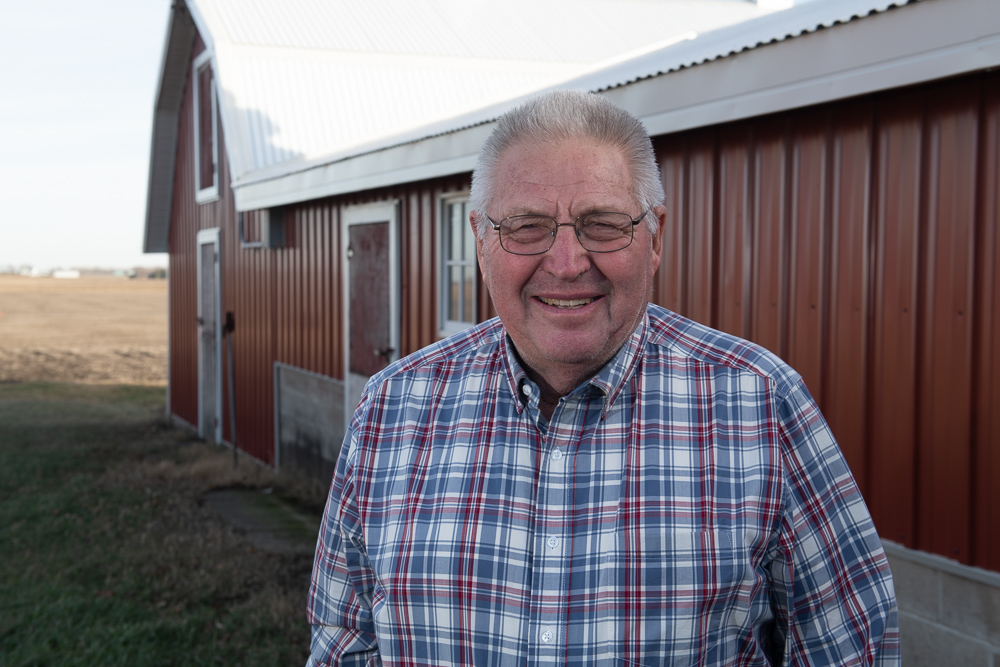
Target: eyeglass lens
(534, 234)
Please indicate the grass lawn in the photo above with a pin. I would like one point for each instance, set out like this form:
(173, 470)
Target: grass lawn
(110, 556)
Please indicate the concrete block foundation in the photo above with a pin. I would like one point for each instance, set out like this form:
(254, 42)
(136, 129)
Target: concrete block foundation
(949, 613)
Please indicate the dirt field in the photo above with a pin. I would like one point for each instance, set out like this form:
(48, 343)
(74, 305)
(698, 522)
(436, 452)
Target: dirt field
(88, 330)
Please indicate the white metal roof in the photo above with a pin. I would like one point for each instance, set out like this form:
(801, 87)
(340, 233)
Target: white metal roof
(734, 39)
(810, 54)
(303, 78)
(306, 117)
(679, 52)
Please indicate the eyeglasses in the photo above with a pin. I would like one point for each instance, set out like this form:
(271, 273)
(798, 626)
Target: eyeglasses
(597, 232)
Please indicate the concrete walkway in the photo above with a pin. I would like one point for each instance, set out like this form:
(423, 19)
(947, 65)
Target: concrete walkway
(270, 523)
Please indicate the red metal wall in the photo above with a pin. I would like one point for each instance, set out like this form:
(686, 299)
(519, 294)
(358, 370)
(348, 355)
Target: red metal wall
(288, 302)
(859, 242)
(186, 219)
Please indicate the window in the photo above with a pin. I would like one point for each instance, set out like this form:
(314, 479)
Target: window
(458, 267)
(206, 142)
(270, 227)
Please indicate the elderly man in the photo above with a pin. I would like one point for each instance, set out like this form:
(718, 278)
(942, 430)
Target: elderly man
(590, 479)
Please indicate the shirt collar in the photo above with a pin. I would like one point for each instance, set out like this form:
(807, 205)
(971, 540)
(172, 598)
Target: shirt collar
(610, 380)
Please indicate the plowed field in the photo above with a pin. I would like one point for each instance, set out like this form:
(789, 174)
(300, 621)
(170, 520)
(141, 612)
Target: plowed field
(88, 330)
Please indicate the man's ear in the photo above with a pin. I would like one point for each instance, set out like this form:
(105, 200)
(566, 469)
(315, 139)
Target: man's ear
(474, 223)
(660, 214)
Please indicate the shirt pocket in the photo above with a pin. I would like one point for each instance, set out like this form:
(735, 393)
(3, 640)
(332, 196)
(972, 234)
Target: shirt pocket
(669, 596)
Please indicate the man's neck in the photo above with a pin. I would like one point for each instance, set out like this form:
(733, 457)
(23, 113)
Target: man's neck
(549, 396)
(554, 385)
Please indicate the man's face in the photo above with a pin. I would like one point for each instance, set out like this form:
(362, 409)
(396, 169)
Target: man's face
(568, 310)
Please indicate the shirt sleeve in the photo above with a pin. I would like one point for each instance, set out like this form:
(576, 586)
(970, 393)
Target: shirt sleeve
(339, 604)
(832, 589)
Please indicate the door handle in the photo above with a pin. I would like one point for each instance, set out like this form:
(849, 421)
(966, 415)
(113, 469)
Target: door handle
(383, 353)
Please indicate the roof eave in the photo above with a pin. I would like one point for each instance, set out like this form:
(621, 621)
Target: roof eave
(177, 49)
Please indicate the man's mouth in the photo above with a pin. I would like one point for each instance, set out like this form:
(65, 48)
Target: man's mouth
(565, 303)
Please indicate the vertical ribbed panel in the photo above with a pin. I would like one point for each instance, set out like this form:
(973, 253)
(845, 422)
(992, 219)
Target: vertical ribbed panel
(986, 369)
(859, 242)
(768, 290)
(945, 361)
(183, 302)
(809, 194)
(893, 374)
(845, 390)
(735, 239)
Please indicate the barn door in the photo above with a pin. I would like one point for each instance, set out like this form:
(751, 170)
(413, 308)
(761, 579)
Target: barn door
(371, 295)
(209, 337)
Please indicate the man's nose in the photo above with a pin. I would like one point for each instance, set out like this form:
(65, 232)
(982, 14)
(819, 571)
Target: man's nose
(567, 259)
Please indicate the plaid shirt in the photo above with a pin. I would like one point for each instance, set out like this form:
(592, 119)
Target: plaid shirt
(688, 505)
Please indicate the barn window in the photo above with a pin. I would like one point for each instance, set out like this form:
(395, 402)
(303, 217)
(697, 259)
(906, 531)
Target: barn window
(206, 135)
(458, 267)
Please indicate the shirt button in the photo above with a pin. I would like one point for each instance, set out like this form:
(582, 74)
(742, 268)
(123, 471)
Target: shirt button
(546, 637)
(553, 542)
(556, 455)
(526, 389)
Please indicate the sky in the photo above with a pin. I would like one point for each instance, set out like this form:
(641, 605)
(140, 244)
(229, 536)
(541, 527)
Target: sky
(76, 111)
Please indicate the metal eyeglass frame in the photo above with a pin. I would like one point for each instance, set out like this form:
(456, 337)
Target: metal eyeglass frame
(555, 230)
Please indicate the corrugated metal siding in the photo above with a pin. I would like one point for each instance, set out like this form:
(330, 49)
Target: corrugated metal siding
(244, 277)
(246, 292)
(307, 281)
(859, 242)
(185, 221)
(986, 426)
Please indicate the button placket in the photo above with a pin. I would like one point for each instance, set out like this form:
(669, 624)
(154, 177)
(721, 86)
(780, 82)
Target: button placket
(554, 510)
(552, 624)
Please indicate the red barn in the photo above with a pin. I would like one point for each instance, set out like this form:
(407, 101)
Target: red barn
(832, 172)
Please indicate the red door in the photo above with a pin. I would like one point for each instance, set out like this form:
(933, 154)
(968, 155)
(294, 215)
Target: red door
(371, 294)
(368, 256)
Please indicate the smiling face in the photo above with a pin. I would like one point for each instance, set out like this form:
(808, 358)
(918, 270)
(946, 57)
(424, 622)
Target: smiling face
(568, 310)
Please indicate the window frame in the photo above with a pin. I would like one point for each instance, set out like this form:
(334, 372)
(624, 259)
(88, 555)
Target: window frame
(210, 193)
(447, 326)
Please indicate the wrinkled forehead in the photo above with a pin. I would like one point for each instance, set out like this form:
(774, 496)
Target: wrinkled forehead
(575, 175)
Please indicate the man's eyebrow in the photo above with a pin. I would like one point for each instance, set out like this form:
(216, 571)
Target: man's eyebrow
(524, 210)
(583, 210)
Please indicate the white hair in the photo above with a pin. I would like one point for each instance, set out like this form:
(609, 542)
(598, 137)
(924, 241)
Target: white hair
(562, 115)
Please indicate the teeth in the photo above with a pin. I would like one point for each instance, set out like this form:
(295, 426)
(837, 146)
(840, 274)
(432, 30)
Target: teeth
(565, 303)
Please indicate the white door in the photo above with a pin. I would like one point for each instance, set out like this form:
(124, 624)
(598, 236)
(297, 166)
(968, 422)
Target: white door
(209, 337)
(371, 295)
